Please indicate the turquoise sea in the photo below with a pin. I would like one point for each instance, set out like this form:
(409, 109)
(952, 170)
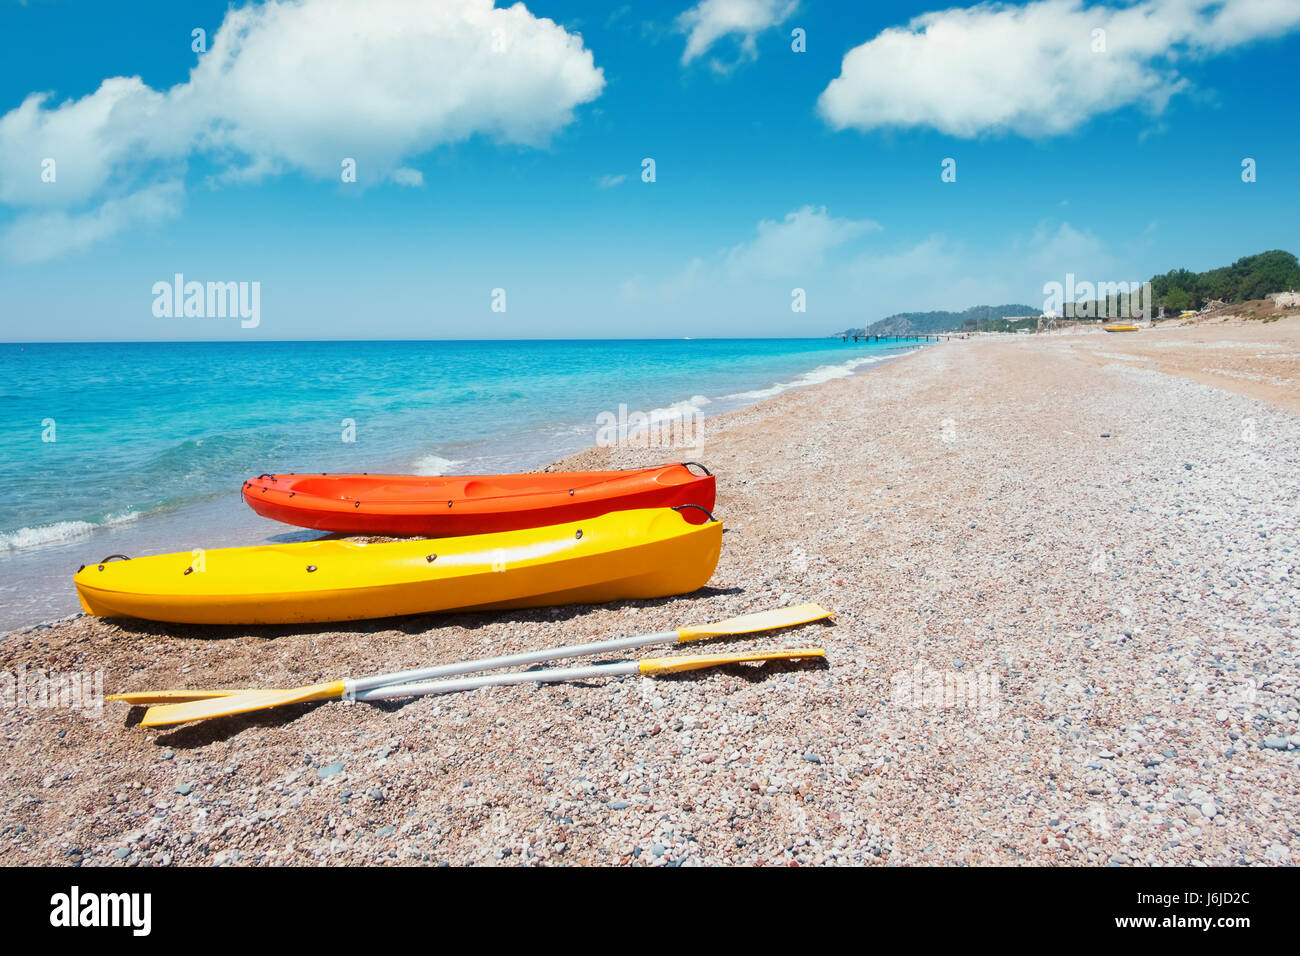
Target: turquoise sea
(142, 447)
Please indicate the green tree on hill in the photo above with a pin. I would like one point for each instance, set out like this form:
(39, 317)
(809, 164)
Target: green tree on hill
(1251, 277)
(1177, 300)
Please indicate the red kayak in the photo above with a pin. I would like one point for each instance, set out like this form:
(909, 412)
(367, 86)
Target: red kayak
(414, 506)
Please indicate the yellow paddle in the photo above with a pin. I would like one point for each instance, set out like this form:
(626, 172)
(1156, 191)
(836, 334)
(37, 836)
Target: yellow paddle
(746, 624)
(165, 714)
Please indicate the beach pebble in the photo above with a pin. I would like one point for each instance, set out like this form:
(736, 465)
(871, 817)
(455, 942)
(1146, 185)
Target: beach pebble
(1133, 621)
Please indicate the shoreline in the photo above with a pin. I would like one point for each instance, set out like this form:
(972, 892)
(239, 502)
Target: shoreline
(196, 523)
(962, 513)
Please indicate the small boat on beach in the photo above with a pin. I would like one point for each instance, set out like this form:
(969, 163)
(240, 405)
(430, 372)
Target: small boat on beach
(1119, 327)
(644, 553)
(413, 505)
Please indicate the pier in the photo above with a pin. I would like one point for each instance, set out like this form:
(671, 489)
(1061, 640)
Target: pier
(895, 338)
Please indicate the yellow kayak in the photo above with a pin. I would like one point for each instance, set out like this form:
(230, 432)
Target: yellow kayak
(1119, 327)
(645, 553)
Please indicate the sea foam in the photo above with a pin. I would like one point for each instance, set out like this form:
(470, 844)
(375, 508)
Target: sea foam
(58, 532)
(433, 465)
(823, 373)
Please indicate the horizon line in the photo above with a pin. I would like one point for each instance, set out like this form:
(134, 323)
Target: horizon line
(662, 338)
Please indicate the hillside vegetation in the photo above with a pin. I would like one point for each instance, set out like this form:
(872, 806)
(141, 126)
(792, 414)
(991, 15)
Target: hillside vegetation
(1249, 278)
(982, 318)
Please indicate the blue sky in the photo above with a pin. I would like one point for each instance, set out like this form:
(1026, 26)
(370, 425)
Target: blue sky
(520, 167)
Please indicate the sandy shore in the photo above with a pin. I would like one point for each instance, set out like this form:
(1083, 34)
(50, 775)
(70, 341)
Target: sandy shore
(1064, 571)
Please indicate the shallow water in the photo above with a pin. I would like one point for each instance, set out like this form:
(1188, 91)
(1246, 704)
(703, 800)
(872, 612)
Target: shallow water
(142, 447)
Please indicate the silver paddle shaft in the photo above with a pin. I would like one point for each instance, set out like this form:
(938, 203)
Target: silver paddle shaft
(548, 676)
(361, 684)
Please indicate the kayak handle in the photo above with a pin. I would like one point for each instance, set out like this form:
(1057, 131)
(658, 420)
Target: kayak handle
(687, 465)
(104, 561)
(700, 507)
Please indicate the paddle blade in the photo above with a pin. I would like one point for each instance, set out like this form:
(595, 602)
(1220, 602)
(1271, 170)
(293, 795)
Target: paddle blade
(672, 665)
(241, 703)
(143, 698)
(762, 621)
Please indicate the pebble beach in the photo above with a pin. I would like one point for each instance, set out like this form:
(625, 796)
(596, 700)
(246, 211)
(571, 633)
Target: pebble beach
(1067, 623)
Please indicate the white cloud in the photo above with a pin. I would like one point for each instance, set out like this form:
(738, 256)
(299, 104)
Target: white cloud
(89, 139)
(301, 86)
(630, 289)
(854, 274)
(710, 20)
(686, 282)
(794, 246)
(1052, 252)
(1032, 69)
(38, 236)
(605, 182)
(313, 82)
(938, 272)
(405, 176)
